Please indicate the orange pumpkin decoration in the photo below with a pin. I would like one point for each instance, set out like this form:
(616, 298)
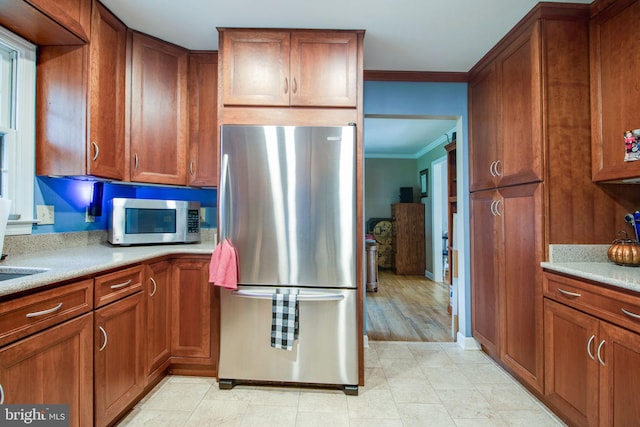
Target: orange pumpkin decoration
(625, 252)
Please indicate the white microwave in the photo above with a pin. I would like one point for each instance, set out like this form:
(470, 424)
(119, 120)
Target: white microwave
(147, 221)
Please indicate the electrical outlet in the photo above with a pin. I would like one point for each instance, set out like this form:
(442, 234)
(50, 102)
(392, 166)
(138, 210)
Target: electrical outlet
(45, 214)
(87, 217)
(203, 215)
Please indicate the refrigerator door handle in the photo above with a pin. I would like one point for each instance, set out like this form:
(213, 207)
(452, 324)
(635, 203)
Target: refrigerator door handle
(224, 173)
(301, 297)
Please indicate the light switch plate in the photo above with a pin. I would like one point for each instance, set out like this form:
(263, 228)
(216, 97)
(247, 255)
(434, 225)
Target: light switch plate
(45, 214)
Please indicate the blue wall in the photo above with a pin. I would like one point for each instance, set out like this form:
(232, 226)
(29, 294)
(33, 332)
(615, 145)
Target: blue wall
(70, 198)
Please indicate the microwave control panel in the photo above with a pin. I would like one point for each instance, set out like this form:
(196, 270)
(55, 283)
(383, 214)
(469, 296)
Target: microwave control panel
(193, 221)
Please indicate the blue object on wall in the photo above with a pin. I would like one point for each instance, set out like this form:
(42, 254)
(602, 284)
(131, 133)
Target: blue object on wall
(72, 197)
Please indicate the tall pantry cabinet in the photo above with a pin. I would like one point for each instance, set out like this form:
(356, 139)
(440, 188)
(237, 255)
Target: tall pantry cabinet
(530, 177)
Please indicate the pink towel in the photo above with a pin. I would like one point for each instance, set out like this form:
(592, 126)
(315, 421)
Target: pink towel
(223, 269)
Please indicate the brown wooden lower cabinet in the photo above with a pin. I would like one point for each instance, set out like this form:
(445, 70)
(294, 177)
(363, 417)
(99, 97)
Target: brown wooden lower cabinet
(592, 366)
(192, 316)
(118, 357)
(52, 367)
(158, 319)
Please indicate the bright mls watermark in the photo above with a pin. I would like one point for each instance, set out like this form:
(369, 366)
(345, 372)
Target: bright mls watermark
(34, 415)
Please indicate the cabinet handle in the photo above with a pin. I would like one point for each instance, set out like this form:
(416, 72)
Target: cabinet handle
(569, 294)
(136, 164)
(495, 208)
(491, 170)
(104, 334)
(45, 312)
(191, 167)
(294, 86)
(628, 313)
(1, 394)
(600, 348)
(155, 286)
(589, 347)
(498, 171)
(95, 156)
(286, 85)
(121, 285)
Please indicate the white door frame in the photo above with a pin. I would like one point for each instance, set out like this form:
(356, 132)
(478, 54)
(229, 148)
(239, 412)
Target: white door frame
(438, 213)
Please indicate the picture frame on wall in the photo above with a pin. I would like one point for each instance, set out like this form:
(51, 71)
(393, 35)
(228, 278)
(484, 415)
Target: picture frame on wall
(424, 183)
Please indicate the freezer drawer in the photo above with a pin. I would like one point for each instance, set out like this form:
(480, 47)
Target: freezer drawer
(326, 351)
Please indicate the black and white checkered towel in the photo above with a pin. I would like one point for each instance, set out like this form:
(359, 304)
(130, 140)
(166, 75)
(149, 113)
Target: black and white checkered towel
(284, 320)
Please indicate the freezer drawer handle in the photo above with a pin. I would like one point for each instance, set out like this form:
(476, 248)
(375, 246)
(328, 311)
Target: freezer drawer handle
(262, 295)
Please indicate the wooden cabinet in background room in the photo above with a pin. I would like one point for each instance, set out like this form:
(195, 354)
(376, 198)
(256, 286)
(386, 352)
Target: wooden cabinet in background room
(615, 78)
(289, 68)
(159, 100)
(79, 134)
(157, 319)
(194, 317)
(203, 114)
(408, 238)
(592, 352)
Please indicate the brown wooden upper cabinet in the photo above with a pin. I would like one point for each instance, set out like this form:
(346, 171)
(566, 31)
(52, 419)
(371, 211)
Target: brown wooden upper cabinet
(79, 133)
(615, 87)
(48, 22)
(299, 68)
(506, 123)
(159, 108)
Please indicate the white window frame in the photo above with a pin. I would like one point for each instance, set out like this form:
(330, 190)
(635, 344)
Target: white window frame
(20, 139)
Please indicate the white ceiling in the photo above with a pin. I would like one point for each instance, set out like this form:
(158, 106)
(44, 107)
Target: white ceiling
(401, 35)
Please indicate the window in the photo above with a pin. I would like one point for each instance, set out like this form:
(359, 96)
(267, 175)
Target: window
(17, 128)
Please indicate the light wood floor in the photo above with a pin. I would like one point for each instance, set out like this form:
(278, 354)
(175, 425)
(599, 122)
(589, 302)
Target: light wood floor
(408, 308)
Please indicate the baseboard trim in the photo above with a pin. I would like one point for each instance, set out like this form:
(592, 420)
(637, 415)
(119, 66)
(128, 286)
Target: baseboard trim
(467, 343)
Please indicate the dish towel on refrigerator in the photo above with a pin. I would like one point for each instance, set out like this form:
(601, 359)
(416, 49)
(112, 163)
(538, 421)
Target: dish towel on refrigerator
(284, 320)
(223, 269)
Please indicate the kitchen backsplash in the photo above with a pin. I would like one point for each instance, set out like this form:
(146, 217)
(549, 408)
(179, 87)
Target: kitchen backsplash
(27, 244)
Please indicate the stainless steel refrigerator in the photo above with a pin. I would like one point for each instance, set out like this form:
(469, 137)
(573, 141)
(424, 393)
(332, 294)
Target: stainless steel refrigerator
(287, 203)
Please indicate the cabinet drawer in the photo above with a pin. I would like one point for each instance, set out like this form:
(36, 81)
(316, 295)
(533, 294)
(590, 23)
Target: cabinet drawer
(25, 315)
(617, 307)
(113, 286)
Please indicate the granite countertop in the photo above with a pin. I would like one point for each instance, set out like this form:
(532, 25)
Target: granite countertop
(590, 262)
(68, 263)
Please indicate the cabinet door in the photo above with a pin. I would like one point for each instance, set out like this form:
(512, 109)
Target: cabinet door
(571, 367)
(158, 317)
(483, 127)
(255, 67)
(520, 127)
(191, 309)
(118, 357)
(619, 377)
(485, 275)
(203, 119)
(52, 367)
(324, 68)
(521, 214)
(614, 89)
(105, 156)
(159, 126)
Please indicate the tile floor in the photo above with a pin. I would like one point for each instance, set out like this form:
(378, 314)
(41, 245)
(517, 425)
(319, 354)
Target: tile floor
(406, 384)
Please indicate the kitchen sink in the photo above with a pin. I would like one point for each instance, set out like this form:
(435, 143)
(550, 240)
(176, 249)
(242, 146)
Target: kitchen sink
(8, 273)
